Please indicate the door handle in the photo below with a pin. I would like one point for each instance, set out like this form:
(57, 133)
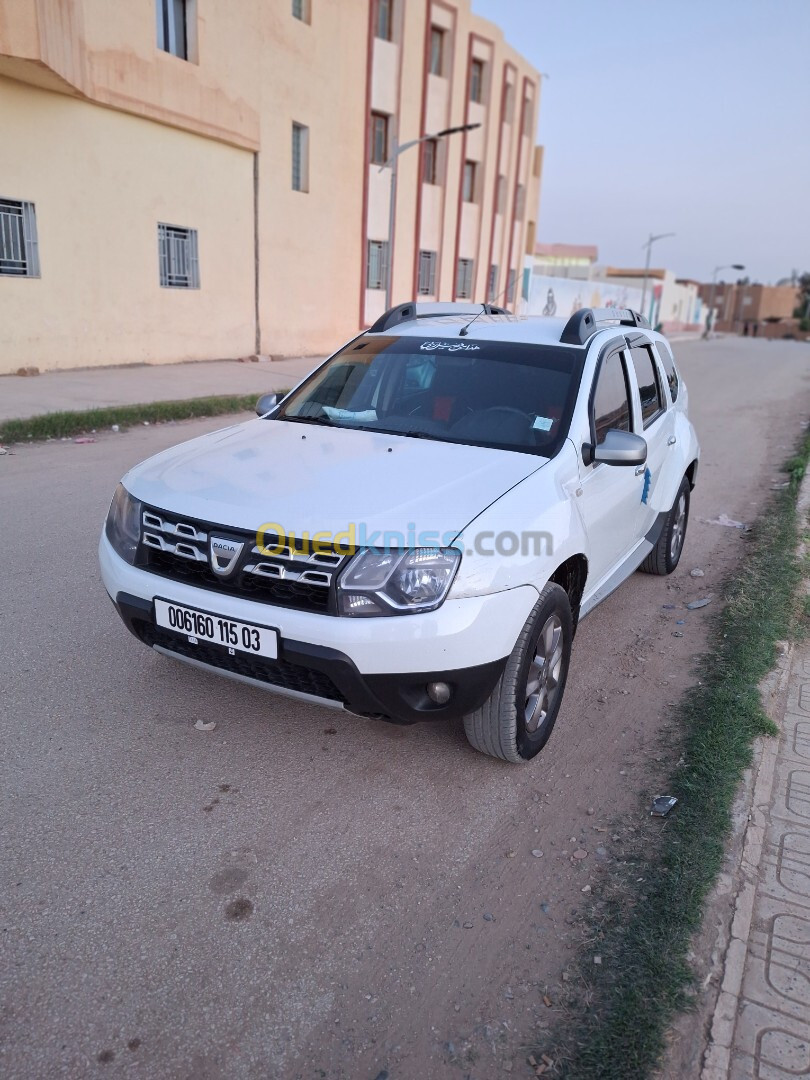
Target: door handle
(640, 469)
(671, 440)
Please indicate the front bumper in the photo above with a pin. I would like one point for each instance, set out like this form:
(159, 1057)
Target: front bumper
(374, 667)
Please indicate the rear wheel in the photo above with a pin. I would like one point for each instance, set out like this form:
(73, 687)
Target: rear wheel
(516, 721)
(666, 554)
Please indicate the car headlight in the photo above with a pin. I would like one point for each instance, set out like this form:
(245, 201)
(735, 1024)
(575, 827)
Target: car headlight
(123, 526)
(397, 582)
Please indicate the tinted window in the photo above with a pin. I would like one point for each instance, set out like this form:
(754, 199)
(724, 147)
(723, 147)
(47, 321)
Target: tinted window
(611, 403)
(669, 367)
(648, 388)
(482, 393)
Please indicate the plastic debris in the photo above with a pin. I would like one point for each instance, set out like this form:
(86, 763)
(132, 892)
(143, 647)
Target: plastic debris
(677, 633)
(680, 622)
(115, 427)
(662, 804)
(202, 726)
(697, 573)
(538, 854)
(668, 607)
(84, 439)
(3, 451)
(729, 523)
(703, 602)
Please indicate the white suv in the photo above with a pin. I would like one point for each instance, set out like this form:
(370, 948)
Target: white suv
(414, 531)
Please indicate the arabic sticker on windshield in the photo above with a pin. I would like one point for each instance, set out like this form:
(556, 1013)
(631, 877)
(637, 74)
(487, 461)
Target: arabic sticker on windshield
(542, 423)
(448, 346)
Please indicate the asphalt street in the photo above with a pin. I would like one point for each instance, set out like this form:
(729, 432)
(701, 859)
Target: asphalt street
(300, 892)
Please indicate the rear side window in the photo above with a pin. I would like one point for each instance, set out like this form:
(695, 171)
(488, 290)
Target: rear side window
(611, 402)
(665, 357)
(652, 402)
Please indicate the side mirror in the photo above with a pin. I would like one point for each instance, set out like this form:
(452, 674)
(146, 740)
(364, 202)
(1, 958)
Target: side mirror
(620, 448)
(265, 403)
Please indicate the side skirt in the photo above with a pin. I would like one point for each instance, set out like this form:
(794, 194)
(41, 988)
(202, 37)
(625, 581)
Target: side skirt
(626, 567)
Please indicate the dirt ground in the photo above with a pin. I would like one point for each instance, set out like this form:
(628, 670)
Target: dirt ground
(272, 900)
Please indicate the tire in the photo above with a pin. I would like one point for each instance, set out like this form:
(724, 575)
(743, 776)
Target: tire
(513, 724)
(666, 554)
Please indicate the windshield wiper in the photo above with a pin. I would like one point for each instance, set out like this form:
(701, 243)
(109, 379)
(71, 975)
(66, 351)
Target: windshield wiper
(310, 420)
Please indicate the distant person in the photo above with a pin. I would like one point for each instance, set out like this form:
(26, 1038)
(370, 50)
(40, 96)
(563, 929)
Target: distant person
(756, 327)
(708, 329)
(745, 330)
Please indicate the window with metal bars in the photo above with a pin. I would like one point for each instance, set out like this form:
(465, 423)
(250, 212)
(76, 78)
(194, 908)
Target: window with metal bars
(19, 249)
(384, 22)
(377, 264)
(464, 279)
(172, 27)
(427, 273)
(468, 182)
(179, 262)
(300, 157)
(477, 81)
(436, 50)
(492, 287)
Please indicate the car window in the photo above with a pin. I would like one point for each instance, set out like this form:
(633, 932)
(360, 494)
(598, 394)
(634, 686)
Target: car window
(652, 403)
(611, 402)
(669, 367)
(501, 394)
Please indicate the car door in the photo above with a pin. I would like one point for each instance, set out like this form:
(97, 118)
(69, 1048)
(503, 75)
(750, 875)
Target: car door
(653, 421)
(610, 500)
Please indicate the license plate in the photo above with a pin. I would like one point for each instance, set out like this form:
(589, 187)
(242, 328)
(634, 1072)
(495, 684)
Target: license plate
(233, 635)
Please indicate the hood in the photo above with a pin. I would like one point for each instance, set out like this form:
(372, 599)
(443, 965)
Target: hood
(312, 479)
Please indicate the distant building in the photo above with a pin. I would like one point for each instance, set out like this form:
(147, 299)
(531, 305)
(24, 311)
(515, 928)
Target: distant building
(672, 302)
(188, 179)
(738, 305)
(565, 260)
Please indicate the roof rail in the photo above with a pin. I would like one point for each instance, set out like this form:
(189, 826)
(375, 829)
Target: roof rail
(410, 311)
(584, 323)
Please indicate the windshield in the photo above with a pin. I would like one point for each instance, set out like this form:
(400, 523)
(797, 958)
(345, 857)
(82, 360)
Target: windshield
(485, 393)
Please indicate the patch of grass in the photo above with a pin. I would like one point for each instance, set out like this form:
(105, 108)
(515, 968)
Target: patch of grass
(58, 425)
(643, 930)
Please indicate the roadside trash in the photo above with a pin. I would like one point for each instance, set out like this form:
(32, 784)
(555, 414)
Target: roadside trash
(730, 523)
(538, 854)
(115, 427)
(585, 889)
(668, 607)
(696, 573)
(146, 423)
(3, 451)
(202, 726)
(677, 633)
(662, 804)
(597, 959)
(680, 622)
(695, 604)
(84, 439)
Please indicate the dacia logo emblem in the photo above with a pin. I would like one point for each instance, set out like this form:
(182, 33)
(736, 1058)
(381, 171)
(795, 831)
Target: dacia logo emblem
(224, 554)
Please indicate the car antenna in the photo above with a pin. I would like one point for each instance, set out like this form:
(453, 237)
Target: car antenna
(466, 329)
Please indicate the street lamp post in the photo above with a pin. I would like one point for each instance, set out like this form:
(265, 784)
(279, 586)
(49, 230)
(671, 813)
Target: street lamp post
(648, 246)
(391, 164)
(710, 320)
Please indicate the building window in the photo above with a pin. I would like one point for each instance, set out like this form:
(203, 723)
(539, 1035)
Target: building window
(520, 202)
(500, 196)
(172, 27)
(492, 287)
(510, 286)
(436, 50)
(300, 157)
(179, 264)
(19, 250)
(477, 81)
(468, 185)
(464, 279)
(430, 149)
(527, 117)
(384, 25)
(379, 138)
(301, 10)
(377, 267)
(509, 103)
(427, 273)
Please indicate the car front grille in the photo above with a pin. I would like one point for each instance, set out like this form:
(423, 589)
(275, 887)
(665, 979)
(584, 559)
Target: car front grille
(278, 673)
(177, 548)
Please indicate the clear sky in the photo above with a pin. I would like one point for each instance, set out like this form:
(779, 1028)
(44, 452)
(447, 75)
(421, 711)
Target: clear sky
(684, 116)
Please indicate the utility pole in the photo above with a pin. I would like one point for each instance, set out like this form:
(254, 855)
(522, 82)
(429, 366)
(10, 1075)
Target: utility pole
(391, 164)
(648, 246)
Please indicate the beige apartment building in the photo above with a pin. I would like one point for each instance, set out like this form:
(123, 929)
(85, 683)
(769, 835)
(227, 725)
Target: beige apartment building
(196, 179)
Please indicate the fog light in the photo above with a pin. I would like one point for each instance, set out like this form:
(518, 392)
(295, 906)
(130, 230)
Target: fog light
(438, 692)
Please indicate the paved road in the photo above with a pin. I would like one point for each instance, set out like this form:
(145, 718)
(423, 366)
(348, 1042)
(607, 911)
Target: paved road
(272, 900)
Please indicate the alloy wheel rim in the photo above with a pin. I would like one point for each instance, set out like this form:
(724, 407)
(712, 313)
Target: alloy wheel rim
(543, 679)
(678, 529)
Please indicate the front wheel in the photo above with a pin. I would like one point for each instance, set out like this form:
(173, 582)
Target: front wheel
(666, 554)
(515, 722)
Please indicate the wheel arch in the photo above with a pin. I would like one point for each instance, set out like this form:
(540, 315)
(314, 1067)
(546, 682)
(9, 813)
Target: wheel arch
(691, 474)
(571, 575)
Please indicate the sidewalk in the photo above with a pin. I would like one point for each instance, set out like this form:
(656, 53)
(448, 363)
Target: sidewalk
(761, 1025)
(90, 388)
